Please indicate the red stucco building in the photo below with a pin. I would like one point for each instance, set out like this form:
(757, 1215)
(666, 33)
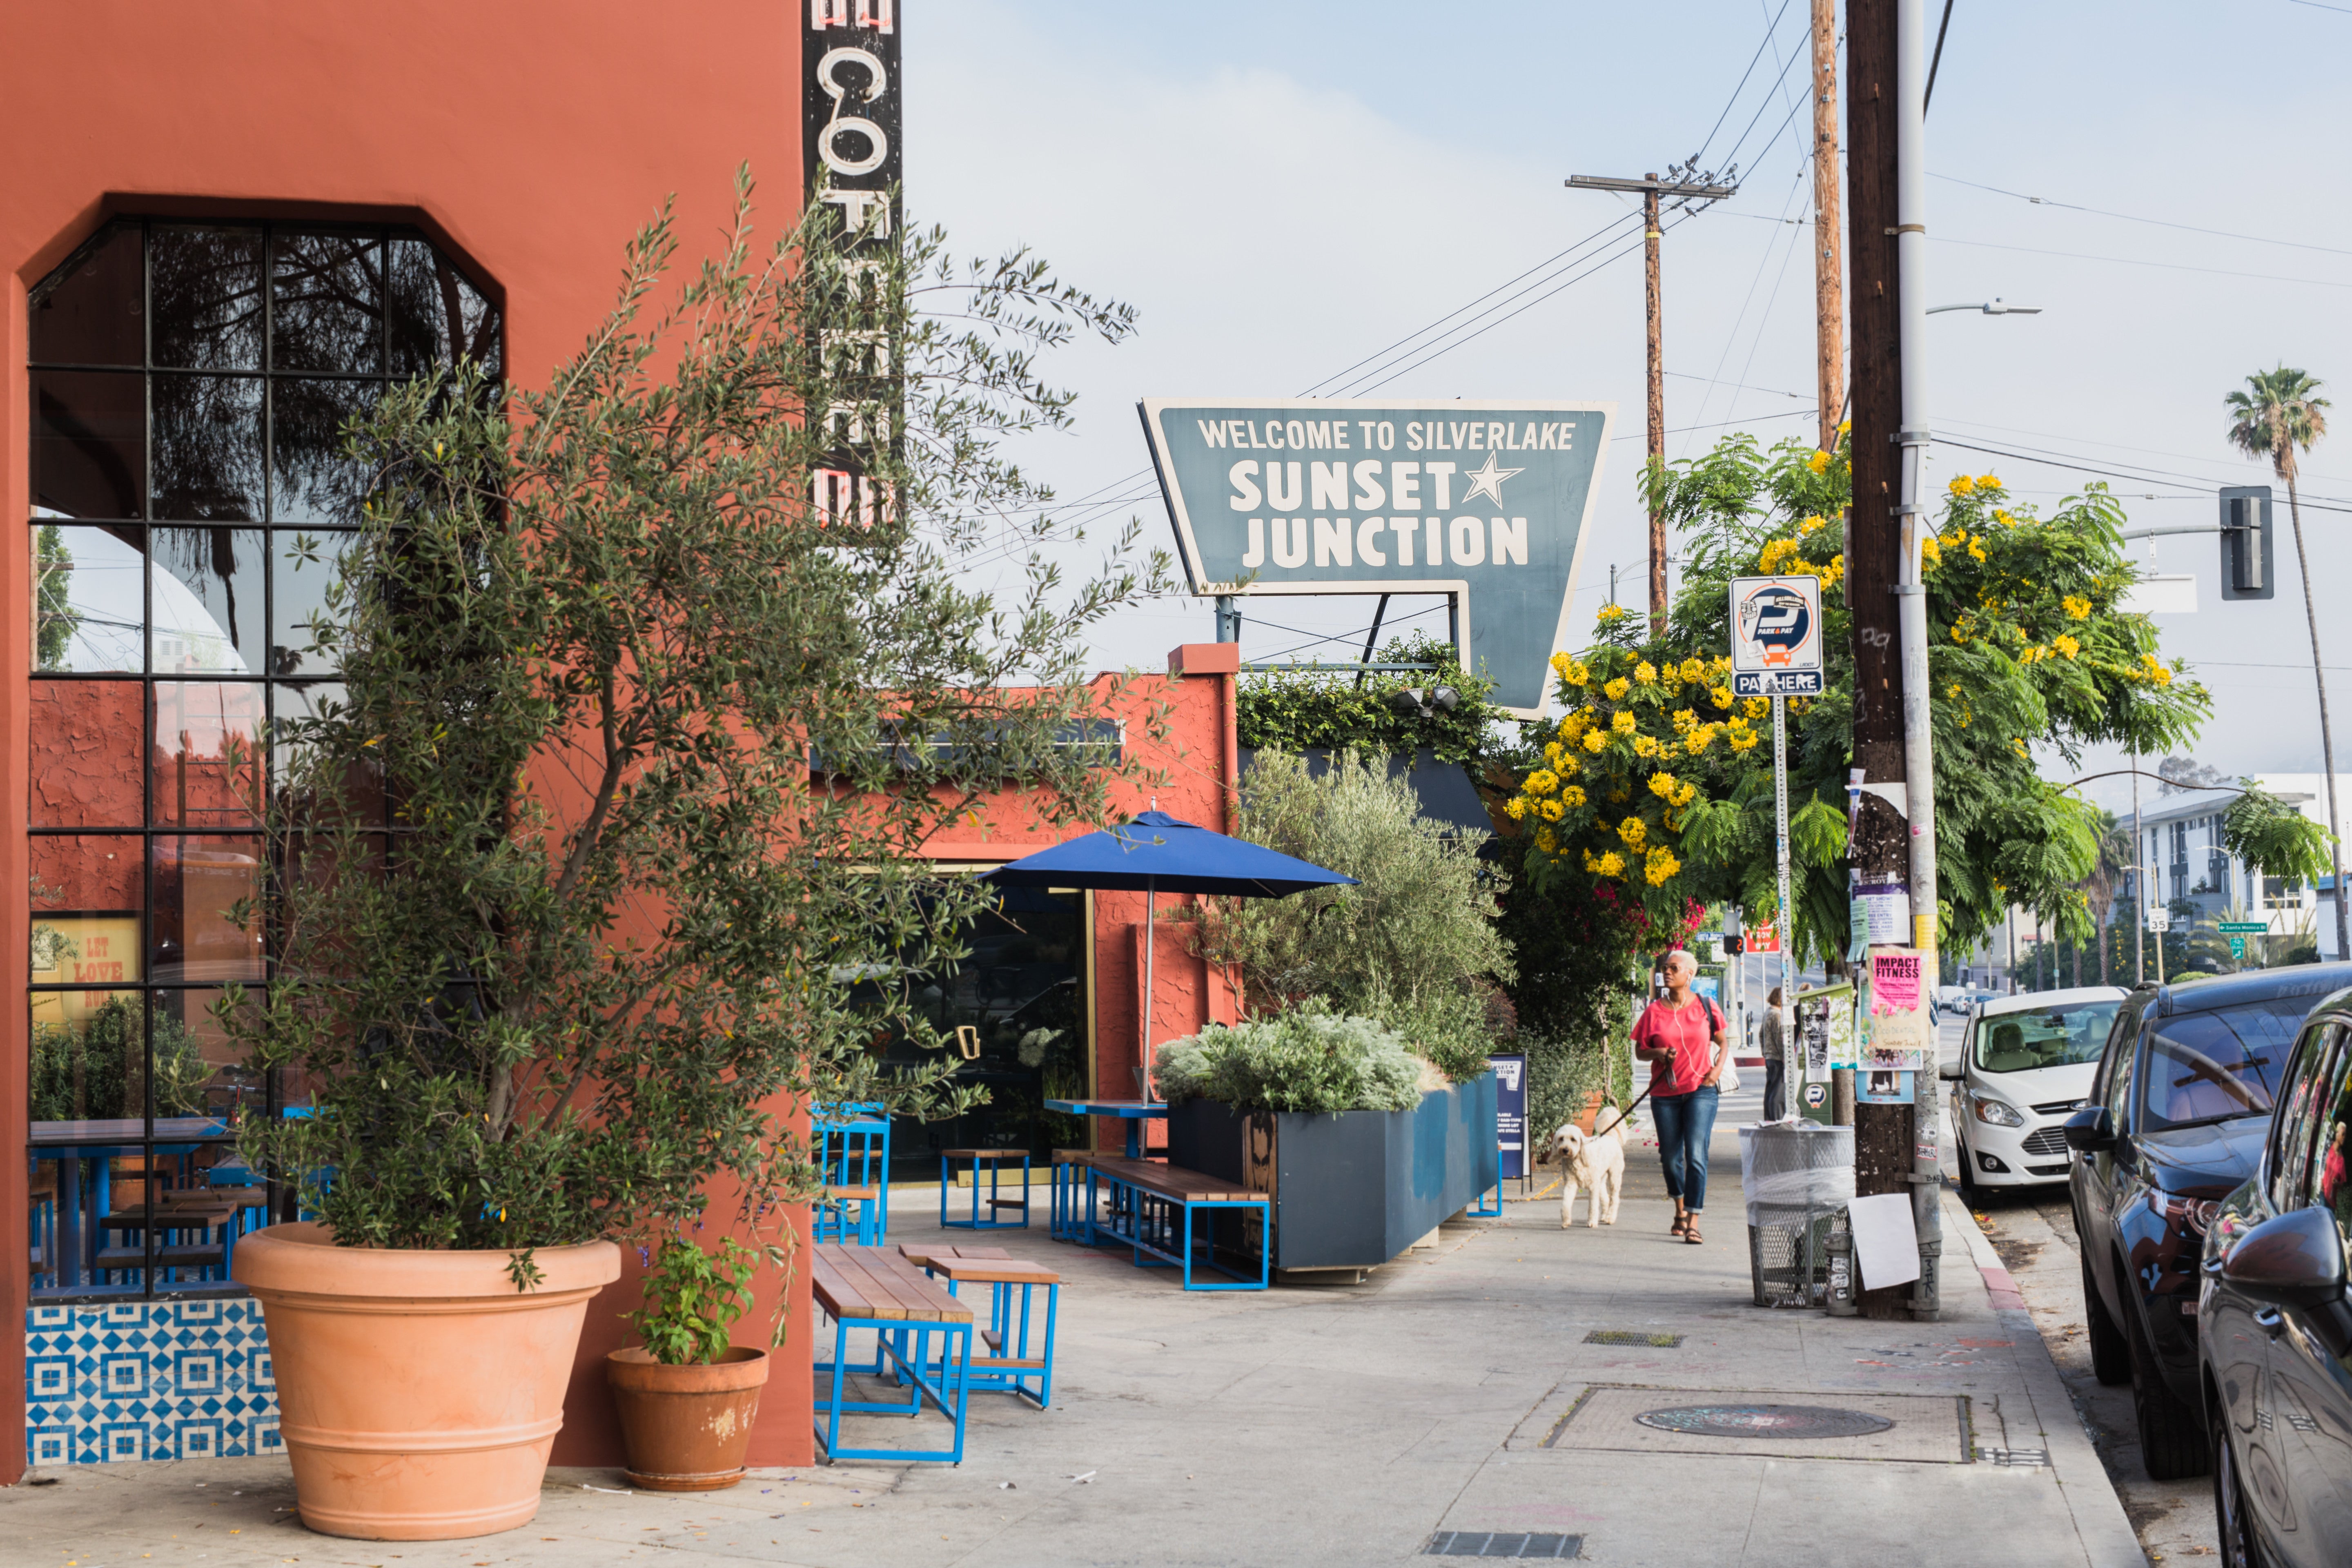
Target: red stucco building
(227, 227)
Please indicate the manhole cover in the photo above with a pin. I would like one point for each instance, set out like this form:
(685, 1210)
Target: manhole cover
(1811, 1422)
(1633, 1337)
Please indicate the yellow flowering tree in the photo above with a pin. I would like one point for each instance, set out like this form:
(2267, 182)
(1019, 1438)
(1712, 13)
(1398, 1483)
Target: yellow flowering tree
(1655, 786)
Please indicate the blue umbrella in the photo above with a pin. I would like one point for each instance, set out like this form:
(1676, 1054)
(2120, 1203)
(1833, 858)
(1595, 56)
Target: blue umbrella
(1156, 852)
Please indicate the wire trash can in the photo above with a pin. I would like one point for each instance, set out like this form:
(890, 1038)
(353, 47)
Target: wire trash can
(1797, 1177)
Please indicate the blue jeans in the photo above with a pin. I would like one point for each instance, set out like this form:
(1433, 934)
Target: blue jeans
(1686, 1127)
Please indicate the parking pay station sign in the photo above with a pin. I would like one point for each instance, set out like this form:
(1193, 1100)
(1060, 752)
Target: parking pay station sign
(1776, 636)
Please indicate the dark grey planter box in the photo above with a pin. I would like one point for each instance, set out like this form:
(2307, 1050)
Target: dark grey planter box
(1354, 1190)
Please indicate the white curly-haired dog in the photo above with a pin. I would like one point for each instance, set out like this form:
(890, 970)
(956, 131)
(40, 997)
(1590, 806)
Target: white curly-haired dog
(1594, 1162)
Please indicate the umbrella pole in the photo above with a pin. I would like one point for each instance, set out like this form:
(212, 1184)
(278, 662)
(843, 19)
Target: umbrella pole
(1150, 953)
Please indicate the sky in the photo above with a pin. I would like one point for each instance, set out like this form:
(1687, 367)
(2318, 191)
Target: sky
(1282, 197)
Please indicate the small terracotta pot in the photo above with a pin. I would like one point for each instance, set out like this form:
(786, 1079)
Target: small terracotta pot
(418, 1391)
(686, 1427)
(1589, 1117)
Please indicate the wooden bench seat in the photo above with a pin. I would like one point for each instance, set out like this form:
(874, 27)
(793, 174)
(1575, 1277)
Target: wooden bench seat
(1174, 1182)
(1154, 1207)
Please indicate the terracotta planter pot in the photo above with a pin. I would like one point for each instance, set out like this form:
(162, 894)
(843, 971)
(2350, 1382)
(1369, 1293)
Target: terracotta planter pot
(686, 1427)
(418, 1392)
(1586, 1118)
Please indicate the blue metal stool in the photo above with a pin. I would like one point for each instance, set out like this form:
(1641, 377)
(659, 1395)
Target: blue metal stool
(854, 1156)
(995, 1160)
(1071, 1220)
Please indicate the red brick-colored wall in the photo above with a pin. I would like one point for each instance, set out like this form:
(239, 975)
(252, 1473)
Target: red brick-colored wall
(530, 138)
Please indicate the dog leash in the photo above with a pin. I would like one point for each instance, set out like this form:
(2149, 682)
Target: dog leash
(1625, 1114)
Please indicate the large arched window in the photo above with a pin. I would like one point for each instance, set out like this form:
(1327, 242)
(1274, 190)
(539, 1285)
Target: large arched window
(190, 384)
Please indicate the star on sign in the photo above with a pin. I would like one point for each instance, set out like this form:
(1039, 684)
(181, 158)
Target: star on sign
(1488, 480)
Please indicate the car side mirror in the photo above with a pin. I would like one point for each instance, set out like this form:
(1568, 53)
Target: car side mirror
(1951, 1072)
(2295, 1260)
(2090, 1130)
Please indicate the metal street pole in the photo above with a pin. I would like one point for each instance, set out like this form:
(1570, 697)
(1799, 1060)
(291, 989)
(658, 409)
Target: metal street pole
(1787, 920)
(1688, 185)
(2139, 887)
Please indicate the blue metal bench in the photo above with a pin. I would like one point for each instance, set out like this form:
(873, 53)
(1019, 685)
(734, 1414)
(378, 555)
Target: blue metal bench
(1151, 1209)
(868, 1287)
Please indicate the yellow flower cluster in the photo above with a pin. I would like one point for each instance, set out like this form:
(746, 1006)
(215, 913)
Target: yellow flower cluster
(1609, 865)
(1611, 612)
(1661, 867)
(1740, 737)
(1721, 696)
(2066, 644)
(1812, 525)
(1645, 673)
(1617, 688)
(1819, 462)
(1931, 550)
(1632, 831)
(1775, 551)
(1543, 780)
(2077, 608)
(1645, 746)
(1570, 669)
(1571, 795)
(1962, 485)
(1693, 670)
(2151, 669)
(1620, 722)
(1596, 740)
(1757, 708)
(1673, 791)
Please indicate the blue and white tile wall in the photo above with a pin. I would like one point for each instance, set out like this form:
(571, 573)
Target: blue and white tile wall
(148, 1380)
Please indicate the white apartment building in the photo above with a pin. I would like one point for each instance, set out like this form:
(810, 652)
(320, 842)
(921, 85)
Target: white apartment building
(2180, 846)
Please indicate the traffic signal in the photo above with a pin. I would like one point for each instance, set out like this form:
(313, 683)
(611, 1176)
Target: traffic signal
(2249, 567)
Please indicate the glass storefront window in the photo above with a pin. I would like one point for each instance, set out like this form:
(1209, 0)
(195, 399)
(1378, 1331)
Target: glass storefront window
(191, 385)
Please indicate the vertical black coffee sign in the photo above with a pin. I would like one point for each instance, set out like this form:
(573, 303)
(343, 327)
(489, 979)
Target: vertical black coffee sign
(850, 160)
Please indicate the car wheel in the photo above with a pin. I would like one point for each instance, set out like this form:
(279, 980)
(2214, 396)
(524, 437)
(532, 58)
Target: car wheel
(2110, 1356)
(2171, 1432)
(2231, 1520)
(1971, 1190)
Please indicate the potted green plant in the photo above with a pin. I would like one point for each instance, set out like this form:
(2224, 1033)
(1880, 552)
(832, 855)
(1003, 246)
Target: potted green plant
(687, 1395)
(604, 862)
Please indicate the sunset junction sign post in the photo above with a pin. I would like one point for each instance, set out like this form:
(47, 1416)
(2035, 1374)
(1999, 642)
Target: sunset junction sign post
(1486, 503)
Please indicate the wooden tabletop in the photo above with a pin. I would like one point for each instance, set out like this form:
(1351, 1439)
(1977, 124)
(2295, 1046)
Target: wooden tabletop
(994, 1271)
(1173, 1181)
(920, 1253)
(869, 1282)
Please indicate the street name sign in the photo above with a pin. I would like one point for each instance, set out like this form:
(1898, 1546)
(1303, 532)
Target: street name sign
(1776, 636)
(1487, 502)
(2243, 928)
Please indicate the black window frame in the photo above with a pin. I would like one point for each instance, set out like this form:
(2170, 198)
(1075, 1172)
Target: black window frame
(480, 304)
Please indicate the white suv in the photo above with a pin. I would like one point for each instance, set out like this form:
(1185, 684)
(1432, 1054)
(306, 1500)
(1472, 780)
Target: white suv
(2026, 1063)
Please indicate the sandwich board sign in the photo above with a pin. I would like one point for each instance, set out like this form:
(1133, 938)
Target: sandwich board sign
(1487, 502)
(1776, 636)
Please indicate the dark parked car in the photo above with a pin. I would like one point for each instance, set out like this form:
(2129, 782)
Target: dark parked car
(2275, 1350)
(2175, 1123)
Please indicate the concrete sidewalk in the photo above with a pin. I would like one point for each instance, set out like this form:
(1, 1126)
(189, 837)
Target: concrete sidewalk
(1453, 1391)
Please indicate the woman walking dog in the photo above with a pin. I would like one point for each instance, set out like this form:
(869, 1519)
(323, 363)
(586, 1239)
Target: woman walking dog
(1685, 1040)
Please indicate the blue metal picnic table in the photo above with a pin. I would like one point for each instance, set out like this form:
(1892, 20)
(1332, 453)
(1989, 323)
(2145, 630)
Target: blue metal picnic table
(1134, 1112)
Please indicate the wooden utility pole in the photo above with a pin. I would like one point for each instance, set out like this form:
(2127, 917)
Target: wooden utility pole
(1654, 308)
(1879, 853)
(1829, 301)
(1688, 185)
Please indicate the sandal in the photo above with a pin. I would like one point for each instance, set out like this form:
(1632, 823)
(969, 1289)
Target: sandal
(1691, 1235)
(1681, 1221)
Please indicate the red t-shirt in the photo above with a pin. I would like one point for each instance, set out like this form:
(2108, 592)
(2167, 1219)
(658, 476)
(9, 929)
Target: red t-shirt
(1691, 1031)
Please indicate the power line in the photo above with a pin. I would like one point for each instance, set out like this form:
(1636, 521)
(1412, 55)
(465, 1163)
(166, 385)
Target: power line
(2134, 217)
(1621, 220)
(1770, 28)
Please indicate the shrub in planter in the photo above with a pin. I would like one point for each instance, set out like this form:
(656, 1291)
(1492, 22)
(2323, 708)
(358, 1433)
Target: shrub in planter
(607, 855)
(687, 1395)
(1306, 1060)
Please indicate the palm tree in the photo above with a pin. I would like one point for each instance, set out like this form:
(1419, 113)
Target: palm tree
(2105, 884)
(2275, 417)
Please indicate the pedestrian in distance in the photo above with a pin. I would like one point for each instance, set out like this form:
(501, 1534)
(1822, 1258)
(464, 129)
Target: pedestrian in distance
(1687, 1041)
(1775, 1098)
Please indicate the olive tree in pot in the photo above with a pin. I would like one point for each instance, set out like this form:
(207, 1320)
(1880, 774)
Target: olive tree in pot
(606, 856)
